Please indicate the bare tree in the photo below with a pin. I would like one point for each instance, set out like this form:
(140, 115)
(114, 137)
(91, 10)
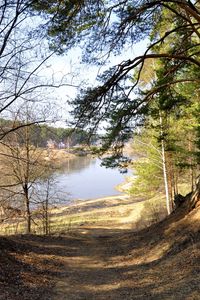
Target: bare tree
(23, 164)
(24, 56)
(24, 80)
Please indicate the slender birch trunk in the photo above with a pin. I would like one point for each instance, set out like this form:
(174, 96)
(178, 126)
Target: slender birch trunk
(164, 168)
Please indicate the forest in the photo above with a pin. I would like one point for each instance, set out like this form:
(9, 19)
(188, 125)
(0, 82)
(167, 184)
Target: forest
(42, 133)
(154, 96)
(112, 73)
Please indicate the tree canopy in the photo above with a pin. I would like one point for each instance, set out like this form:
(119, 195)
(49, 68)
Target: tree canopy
(105, 28)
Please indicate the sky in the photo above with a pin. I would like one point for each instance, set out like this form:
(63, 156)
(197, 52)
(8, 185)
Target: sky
(66, 68)
(31, 49)
(69, 67)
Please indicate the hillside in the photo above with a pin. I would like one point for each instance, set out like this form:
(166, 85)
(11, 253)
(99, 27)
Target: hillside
(106, 261)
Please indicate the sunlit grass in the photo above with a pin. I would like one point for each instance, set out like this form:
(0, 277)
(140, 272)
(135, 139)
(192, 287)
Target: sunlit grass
(110, 211)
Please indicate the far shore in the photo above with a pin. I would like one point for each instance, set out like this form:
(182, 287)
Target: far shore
(57, 155)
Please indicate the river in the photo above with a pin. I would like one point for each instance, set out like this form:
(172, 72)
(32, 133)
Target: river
(84, 178)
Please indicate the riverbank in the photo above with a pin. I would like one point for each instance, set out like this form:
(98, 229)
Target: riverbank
(57, 156)
(119, 212)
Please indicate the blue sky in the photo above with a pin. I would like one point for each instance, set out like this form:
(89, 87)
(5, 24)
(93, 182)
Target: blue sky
(69, 67)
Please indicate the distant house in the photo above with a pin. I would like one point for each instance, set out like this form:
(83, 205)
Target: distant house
(61, 145)
(51, 144)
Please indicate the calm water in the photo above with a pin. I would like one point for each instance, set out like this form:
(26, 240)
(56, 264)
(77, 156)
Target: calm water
(84, 178)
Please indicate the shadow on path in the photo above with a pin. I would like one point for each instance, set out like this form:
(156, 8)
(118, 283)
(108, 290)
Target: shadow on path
(101, 264)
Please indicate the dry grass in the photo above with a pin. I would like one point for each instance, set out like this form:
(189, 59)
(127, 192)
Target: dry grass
(117, 211)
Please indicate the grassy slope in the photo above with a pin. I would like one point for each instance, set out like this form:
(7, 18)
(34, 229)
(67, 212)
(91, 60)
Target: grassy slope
(120, 211)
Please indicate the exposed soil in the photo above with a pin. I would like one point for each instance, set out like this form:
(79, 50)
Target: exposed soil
(97, 262)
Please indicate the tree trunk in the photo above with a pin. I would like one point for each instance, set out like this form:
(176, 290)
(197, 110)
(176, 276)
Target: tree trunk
(28, 211)
(165, 178)
(195, 198)
(28, 218)
(46, 210)
(164, 168)
(46, 217)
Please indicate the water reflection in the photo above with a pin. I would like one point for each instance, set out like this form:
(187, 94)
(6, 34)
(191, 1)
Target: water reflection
(85, 178)
(76, 165)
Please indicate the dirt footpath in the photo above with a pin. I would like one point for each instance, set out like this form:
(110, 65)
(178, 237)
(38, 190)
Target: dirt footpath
(89, 271)
(98, 263)
(109, 264)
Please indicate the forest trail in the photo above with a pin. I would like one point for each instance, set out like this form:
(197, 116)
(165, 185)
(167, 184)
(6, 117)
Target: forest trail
(89, 272)
(105, 262)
